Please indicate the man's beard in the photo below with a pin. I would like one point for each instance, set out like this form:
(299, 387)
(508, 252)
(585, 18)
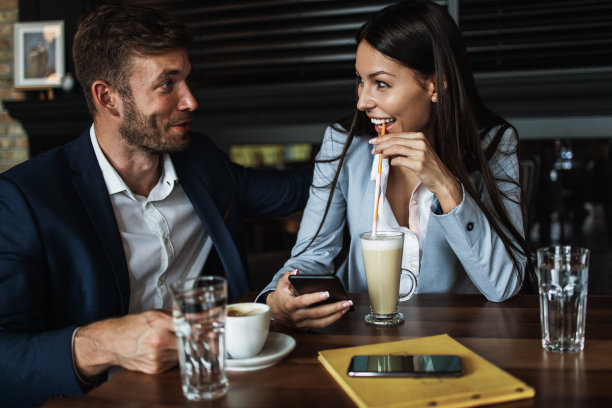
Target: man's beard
(146, 134)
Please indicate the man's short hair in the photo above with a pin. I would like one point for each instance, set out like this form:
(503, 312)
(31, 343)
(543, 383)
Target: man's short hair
(108, 37)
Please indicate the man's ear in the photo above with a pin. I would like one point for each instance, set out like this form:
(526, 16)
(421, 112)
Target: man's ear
(105, 97)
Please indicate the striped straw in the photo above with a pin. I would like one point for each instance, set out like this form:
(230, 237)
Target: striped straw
(378, 180)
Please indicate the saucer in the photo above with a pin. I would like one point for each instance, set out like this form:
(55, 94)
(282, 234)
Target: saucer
(277, 346)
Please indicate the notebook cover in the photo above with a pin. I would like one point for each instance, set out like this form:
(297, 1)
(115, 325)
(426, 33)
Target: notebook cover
(482, 383)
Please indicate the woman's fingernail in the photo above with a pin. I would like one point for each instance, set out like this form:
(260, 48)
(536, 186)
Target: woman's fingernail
(324, 295)
(348, 303)
(372, 141)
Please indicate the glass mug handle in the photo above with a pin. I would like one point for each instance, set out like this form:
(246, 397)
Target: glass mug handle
(407, 293)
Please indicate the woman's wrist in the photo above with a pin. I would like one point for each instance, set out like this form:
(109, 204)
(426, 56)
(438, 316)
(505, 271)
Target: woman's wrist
(450, 196)
(263, 298)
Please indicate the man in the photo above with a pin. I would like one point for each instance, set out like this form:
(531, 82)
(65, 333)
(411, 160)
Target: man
(93, 233)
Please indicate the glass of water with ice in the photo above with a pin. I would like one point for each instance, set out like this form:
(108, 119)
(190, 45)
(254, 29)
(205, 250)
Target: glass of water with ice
(199, 320)
(563, 279)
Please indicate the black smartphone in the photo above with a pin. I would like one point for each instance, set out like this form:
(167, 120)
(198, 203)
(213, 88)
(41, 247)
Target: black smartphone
(303, 284)
(405, 366)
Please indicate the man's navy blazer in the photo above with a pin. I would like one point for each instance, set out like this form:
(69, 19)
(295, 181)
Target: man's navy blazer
(62, 263)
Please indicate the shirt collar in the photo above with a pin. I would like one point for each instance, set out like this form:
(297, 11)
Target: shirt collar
(169, 175)
(386, 218)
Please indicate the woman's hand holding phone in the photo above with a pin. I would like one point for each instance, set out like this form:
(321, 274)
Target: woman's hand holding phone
(303, 284)
(296, 311)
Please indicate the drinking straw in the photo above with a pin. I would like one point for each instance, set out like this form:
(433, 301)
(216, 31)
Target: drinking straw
(377, 190)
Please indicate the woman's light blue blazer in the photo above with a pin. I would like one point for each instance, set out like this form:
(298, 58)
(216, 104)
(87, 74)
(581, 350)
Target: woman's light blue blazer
(461, 253)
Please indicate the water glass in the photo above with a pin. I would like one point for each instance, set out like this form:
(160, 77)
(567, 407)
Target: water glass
(563, 282)
(199, 320)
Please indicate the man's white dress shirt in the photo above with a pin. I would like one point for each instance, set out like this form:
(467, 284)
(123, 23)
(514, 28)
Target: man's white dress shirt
(163, 237)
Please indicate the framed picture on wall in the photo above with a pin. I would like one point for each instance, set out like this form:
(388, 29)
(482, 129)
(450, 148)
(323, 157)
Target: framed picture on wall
(39, 54)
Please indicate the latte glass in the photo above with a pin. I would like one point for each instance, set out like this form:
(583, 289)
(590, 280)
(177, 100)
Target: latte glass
(382, 258)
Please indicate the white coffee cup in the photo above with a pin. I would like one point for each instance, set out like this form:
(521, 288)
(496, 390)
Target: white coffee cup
(246, 329)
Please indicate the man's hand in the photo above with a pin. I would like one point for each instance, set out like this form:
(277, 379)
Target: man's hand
(142, 342)
(293, 310)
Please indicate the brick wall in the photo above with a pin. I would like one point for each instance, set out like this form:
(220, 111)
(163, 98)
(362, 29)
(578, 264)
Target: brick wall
(13, 139)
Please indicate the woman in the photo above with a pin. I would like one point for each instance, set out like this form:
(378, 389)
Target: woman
(450, 174)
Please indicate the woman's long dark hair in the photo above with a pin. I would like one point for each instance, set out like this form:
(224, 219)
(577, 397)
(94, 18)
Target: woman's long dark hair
(422, 36)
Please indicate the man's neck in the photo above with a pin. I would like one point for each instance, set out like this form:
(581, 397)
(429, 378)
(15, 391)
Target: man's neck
(139, 170)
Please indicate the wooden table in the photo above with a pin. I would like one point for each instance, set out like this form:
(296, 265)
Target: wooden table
(507, 334)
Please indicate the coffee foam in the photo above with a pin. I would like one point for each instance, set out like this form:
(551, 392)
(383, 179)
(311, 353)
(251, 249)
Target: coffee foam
(380, 243)
(245, 309)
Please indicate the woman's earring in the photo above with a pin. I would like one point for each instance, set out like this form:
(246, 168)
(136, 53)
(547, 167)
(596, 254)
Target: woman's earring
(434, 98)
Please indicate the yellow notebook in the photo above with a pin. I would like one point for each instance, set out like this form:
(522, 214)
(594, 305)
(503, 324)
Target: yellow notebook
(481, 383)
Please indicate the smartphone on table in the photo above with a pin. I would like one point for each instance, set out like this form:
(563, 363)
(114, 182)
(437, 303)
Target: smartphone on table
(303, 284)
(405, 366)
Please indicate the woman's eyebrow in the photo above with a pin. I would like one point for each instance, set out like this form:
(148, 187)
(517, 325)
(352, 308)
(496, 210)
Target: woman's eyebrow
(373, 74)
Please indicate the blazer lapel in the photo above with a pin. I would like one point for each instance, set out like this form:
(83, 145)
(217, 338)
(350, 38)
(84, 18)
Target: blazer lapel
(197, 186)
(359, 168)
(91, 188)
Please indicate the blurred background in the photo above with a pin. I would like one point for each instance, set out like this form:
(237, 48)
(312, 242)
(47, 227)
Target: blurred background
(270, 75)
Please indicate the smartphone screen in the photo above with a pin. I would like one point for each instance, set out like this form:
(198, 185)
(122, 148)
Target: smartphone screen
(303, 284)
(405, 366)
